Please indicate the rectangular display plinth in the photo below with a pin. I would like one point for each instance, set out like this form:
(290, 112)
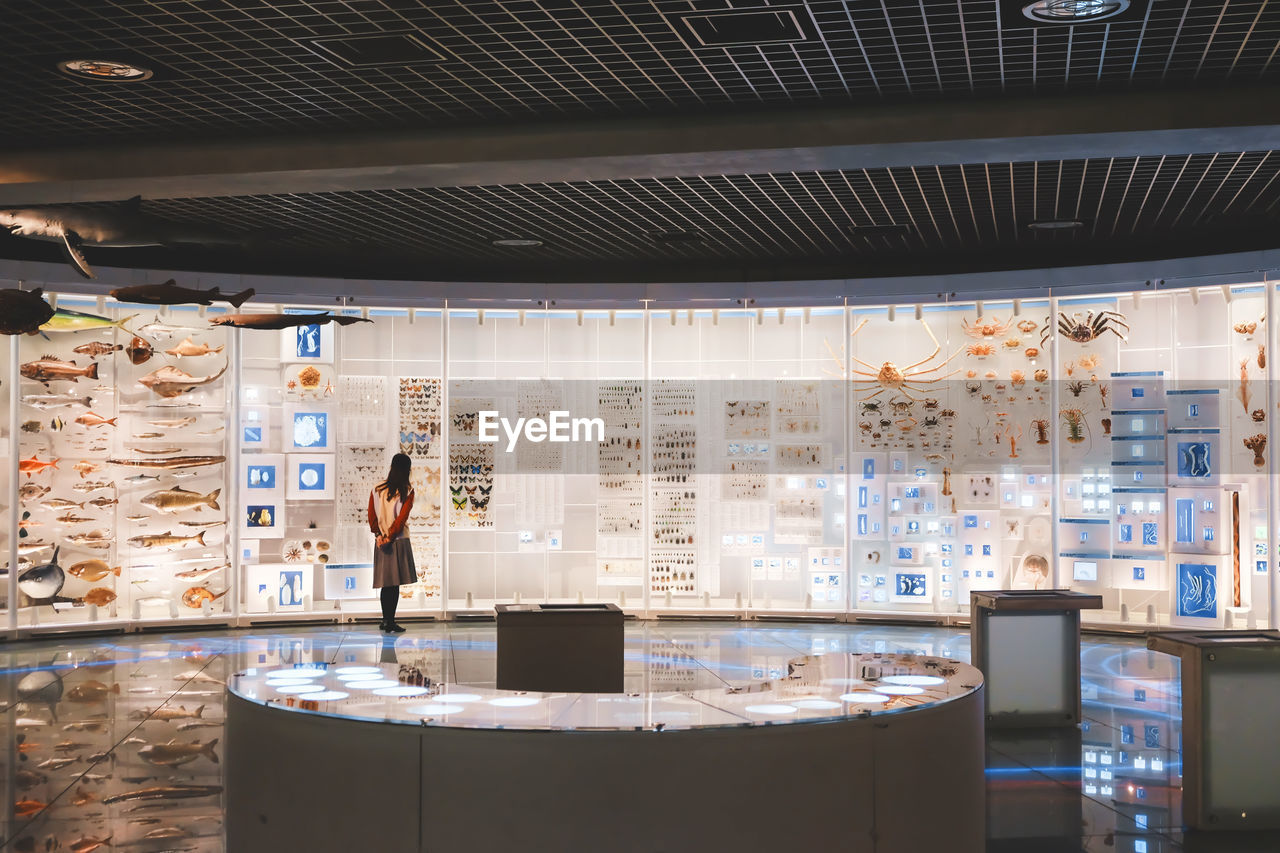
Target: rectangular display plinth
(552, 648)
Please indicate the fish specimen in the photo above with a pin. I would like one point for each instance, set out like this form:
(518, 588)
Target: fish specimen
(83, 797)
(198, 676)
(166, 540)
(43, 686)
(29, 547)
(91, 692)
(66, 320)
(217, 523)
(283, 321)
(196, 596)
(85, 468)
(35, 466)
(84, 726)
(88, 844)
(54, 401)
(92, 486)
(99, 540)
(98, 596)
(140, 478)
(32, 491)
(95, 349)
(156, 451)
(23, 312)
(165, 713)
(172, 423)
(139, 351)
(148, 435)
(93, 419)
(30, 723)
(103, 502)
(56, 504)
(42, 583)
(191, 349)
(71, 746)
(28, 808)
(169, 381)
(179, 499)
(56, 763)
(31, 426)
(167, 464)
(72, 518)
(28, 779)
(198, 724)
(198, 574)
(170, 293)
(47, 368)
(175, 753)
(170, 792)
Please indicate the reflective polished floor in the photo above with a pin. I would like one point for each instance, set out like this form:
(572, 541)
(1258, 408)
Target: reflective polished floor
(116, 739)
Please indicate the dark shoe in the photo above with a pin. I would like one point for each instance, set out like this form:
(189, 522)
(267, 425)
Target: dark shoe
(394, 628)
(382, 626)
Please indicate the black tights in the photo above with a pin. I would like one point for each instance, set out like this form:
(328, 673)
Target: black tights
(390, 598)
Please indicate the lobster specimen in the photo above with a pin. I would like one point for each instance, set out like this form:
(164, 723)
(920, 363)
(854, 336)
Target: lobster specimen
(1089, 329)
(1076, 427)
(914, 377)
(980, 330)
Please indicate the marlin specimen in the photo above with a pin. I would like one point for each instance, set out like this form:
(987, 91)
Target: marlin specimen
(170, 293)
(284, 321)
(120, 225)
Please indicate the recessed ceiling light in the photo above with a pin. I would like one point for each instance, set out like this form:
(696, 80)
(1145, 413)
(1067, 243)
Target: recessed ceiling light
(1055, 224)
(517, 242)
(760, 25)
(1073, 11)
(104, 69)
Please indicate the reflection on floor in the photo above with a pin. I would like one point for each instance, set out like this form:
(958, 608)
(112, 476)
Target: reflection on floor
(116, 739)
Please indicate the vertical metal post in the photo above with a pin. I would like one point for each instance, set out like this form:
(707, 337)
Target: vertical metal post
(846, 389)
(445, 506)
(14, 507)
(1273, 458)
(646, 397)
(1055, 443)
(232, 474)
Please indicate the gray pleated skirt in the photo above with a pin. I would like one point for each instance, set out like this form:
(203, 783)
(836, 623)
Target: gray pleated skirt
(393, 565)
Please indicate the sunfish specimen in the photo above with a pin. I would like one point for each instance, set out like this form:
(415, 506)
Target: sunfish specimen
(170, 293)
(122, 225)
(283, 321)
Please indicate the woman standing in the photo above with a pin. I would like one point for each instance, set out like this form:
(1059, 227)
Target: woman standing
(390, 503)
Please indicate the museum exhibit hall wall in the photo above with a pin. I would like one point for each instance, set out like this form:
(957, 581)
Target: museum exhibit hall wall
(834, 460)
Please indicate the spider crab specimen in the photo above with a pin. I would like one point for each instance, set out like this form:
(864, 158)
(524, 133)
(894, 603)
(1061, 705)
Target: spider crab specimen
(905, 379)
(1090, 328)
(979, 330)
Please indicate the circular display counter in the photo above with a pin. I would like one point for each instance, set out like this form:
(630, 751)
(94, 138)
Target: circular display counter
(868, 752)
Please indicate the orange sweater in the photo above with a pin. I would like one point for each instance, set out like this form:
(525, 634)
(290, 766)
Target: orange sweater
(396, 526)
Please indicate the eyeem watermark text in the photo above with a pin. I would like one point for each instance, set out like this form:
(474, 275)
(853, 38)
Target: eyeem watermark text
(557, 428)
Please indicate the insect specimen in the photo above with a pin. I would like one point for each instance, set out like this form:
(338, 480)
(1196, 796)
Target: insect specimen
(1086, 330)
(1076, 427)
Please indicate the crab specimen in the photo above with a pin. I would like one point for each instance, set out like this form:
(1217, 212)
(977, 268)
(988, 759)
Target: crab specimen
(914, 377)
(1258, 415)
(1089, 329)
(1032, 353)
(1027, 326)
(979, 329)
(1017, 377)
(1012, 343)
(980, 350)
(1041, 375)
(900, 407)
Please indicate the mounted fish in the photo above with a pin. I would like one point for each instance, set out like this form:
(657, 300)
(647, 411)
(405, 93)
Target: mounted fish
(166, 464)
(98, 540)
(190, 349)
(66, 320)
(122, 225)
(175, 753)
(92, 486)
(92, 692)
(196, 596)
(166, 713)
(35, 466)
(179, 499)
(42, 583)
(167, 540)
(283, 321)
(92, 571)
(170, 293)
(173, 792)
(199, 574)
(95, 349)
(98, 596)
(139, 351)
(47, 369)
(42, 686)
(169, 381)
(55, 401)
(23, 312)
(172, 423)
(92, 419)
(84, 467)
(32, 491)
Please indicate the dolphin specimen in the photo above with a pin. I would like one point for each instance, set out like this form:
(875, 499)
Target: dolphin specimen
(120, 225)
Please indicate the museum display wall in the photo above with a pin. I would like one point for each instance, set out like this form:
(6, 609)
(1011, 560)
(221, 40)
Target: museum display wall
(836, 461)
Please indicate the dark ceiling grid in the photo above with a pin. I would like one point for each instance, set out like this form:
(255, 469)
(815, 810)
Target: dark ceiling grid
(231, 68)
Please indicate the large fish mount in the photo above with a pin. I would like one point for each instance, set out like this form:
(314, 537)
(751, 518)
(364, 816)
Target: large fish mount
(170, 463)
(23, 312)
(170, 293)
(122, 225)
(283, 321)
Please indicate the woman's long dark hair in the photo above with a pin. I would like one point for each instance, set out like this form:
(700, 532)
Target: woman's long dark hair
(397, 482)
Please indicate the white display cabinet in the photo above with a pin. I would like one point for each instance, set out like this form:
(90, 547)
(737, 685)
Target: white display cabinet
(837, 462)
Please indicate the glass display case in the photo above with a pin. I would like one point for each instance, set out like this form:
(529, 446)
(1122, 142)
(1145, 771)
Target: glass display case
(833, 461)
